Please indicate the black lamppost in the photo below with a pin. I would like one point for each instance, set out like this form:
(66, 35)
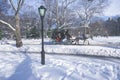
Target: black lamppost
(42, 11)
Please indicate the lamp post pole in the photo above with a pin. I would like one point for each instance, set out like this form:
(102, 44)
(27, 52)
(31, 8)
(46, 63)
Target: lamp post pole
(42, 52)
(42, 11)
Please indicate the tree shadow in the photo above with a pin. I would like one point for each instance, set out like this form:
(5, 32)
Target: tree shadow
(23, 71)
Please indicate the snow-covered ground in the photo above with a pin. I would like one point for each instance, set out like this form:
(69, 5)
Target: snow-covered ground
(25, 63)
(101, 46)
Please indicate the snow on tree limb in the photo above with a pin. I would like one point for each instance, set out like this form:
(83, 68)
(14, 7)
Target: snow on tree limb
(7, 24)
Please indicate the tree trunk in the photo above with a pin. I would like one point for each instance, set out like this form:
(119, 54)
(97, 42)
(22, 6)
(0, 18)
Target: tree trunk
(17, 32)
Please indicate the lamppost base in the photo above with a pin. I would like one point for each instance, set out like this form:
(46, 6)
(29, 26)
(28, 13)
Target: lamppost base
(42, 57)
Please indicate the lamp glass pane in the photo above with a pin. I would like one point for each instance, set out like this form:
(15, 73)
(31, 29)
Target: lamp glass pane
(42, 12)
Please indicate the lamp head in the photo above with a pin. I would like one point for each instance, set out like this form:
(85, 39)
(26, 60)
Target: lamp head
(42, 11)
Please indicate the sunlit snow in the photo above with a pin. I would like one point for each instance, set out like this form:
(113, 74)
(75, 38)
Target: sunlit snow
(25, 63)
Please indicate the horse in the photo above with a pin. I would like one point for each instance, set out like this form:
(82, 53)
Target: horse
(83, 37)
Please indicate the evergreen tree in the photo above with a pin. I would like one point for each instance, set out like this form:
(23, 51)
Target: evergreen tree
(33, 33)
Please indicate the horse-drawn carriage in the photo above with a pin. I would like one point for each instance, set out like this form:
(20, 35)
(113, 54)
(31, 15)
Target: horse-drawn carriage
(61, 36)
(58, 35)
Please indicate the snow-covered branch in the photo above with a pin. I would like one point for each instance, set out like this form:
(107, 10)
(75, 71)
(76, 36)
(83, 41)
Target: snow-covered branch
(7, 25)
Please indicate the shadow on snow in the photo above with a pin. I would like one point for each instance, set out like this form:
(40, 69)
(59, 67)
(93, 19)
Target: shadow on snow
(23, 71)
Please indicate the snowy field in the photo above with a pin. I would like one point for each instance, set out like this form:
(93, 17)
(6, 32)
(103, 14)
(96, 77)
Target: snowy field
(25, 63)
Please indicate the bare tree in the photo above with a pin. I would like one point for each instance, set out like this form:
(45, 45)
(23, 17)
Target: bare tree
(98, 28)
(49, 5)
(65, 11)
(87, 9)
(16, 7)
(28, 20)
(57, 11)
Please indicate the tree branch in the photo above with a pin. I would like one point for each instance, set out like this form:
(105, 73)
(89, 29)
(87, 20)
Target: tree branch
(18, 7)
(7, 24)
(13, 6)
(22, 2)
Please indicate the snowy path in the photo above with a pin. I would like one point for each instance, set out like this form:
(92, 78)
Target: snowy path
(15, 67)
(23, 71)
